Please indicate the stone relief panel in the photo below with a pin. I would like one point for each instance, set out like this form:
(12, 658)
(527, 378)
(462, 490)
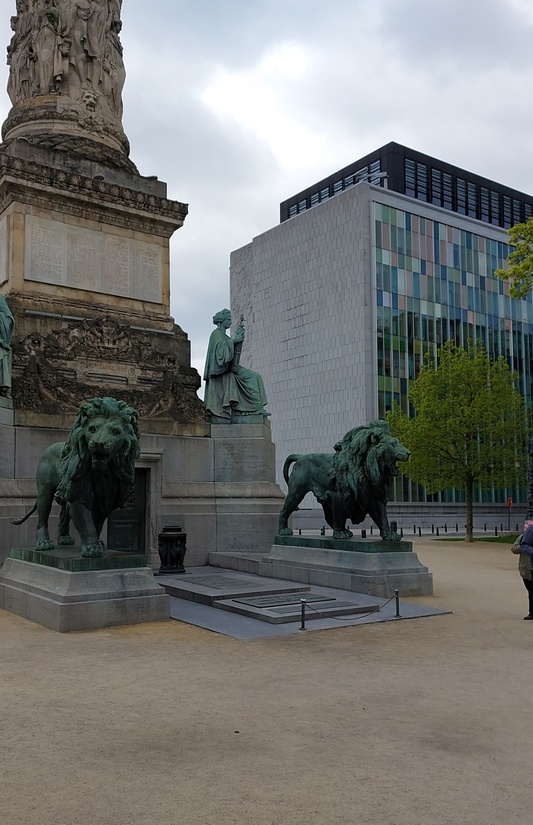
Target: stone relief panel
(67, 255)
(67, 47)
(54, 372)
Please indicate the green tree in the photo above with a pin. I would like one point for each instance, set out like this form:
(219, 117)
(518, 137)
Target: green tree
(470, 424)
(520, 261)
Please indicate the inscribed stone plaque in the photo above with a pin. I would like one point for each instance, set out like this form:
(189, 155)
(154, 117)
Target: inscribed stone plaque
(82, 251)
(44, 258)
(115, 264)
(82, 258)
(3, 250)
(146, 274)
(216, 582)
(275, 599)
(346, 607)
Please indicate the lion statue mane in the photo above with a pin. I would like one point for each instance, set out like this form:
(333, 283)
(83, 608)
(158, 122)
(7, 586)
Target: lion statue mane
(90, 475)
(350, 483)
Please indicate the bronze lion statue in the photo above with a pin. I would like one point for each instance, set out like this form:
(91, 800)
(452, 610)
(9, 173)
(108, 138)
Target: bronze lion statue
(90, 475)
(349, 484)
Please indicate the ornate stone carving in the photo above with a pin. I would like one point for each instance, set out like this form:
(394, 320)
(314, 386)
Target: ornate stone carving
(101, 190)
(66, 69)
(67, 47)
(53, 372)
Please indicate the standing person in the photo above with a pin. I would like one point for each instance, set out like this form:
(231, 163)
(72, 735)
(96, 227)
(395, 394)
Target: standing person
(524, 546)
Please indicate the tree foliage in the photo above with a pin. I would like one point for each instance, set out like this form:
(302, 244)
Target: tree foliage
(520, 261)
(470, 424)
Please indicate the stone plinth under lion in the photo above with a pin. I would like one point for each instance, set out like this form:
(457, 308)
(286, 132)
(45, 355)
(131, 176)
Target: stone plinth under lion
(90, 475)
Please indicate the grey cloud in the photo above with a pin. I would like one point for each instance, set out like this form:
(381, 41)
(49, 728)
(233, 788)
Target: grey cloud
(461, 35)
(450, 78)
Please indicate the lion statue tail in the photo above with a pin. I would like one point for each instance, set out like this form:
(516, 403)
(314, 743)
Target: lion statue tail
(288, 461)
(22, 519)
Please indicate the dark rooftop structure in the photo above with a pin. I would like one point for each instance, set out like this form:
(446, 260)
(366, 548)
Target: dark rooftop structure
(420, 176)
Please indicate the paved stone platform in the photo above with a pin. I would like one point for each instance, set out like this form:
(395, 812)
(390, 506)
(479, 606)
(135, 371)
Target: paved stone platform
(207, 584)
(247, 586)
(369, 566)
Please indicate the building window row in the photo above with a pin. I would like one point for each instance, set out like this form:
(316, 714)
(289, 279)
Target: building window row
(366, 174)
(452, 192)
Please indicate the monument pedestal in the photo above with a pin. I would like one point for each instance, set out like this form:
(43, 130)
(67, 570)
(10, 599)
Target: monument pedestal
(376, 568)
(247, 498)
(87, 279)
(62, 591)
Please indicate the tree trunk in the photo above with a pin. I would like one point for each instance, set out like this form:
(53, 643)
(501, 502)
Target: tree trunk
(469, 508)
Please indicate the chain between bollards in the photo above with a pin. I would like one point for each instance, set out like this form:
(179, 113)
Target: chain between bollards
(303, 603)
(397, 597)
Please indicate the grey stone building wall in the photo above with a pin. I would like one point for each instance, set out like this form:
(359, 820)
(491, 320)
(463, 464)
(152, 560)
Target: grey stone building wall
(305, 290)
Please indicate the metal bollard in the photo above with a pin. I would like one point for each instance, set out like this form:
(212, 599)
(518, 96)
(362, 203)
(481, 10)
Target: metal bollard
(495, 529)
(363, 534)
(456, 527)
(397, 597)
(445, 528)
(437, 532)
(303, 602)
(432, 528)
(371, 529)
(401, 532)
(419, 532)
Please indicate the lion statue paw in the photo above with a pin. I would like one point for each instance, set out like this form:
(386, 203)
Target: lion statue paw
(93, 551)
(390, 535)
(342, 534)
(285, 531)
(65, 540)
(44, 544)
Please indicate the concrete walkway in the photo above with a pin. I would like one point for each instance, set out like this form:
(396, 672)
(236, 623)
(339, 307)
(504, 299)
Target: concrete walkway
(421, 722)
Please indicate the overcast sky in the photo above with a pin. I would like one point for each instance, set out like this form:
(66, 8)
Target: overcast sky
(239, 104)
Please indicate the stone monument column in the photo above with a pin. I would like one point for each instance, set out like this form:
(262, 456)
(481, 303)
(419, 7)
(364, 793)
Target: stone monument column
(85, 269)
(84, 238)
(66, 74)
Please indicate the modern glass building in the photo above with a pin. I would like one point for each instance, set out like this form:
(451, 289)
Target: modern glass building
(369, 270)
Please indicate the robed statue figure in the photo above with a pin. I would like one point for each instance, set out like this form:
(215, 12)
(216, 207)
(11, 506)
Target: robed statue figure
(6, 333)
(231, 391)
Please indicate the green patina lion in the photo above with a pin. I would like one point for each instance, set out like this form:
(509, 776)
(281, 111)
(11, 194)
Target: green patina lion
(90, 475)
(351, 483)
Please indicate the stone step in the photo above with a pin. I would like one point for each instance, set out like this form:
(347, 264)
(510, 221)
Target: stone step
(374, 574)
(208, 586)
(278, 609)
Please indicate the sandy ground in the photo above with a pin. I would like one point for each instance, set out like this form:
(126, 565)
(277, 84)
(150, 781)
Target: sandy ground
(398, 723)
